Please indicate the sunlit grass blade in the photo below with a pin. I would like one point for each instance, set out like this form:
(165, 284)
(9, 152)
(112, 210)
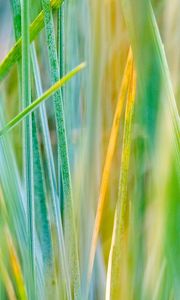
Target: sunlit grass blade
(155, 98)
(108, 160)
(113, 287)
(154, 45)
(15, 53)
(43, 97)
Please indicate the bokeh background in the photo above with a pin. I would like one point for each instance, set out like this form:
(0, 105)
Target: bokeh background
(100, 33)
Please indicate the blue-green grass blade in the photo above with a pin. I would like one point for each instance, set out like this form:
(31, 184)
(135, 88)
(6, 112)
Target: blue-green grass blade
(63, 161)
(28, 150)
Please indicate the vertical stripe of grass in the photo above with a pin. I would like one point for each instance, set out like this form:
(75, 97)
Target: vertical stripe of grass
(60, 51)
(70, 234)
(153, 74)
(16, 13)
(114, 264)
(20, 207)
(40, 212)
(27, 148)
(41, 218)
(61, 42)
(16, 9)
(51, 177)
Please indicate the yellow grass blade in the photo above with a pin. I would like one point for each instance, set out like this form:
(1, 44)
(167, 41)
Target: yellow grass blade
(16, 268)
(7, 280)
(115, 264)
(108, 161)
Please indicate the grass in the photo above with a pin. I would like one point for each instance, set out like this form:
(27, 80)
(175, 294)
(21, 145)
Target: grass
(108, 161)
(31, 107)
(15, 53)
(89, 181)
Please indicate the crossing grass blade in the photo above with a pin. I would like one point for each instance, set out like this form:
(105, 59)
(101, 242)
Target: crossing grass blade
(53, 189)
(15, 53)
(38, 101)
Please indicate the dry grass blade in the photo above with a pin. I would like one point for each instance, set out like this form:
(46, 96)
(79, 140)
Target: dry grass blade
(119, 231)
(108, 161)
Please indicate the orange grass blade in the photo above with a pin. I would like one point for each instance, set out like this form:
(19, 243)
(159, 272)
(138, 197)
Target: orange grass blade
(108, 161)
(119, 230)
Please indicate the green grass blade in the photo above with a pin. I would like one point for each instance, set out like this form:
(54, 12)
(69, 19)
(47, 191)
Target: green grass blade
(28, 150)
(174, 115)
(61, 41)
(61, 61)
(26, 112)
(41, 217)
(15, 52)
(63, 161)
(16, 9)
(16, 13)
(148, 26)
(38, 180)
(155, 95)
(51, 173)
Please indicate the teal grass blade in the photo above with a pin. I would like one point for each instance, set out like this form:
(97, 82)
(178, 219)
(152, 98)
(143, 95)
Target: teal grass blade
(63, 160)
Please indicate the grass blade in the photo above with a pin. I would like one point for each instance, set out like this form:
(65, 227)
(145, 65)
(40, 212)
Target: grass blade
(53, 192)
(26, 112)
(41, 217)
(15, 52)
(16, 9)
(16, 13)
(114, 264)
(108, 161)
(7, 280)
(63, 161)
(16, 268)
(28, 150)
